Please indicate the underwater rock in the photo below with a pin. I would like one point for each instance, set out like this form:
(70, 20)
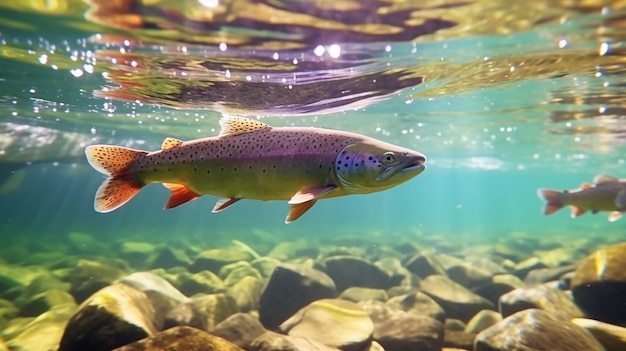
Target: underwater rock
(202, 311)
(356, 294)
(240, 329)
(114, 316)
(482, 320)
(553, 301)
(348, 271)
(467, 275)
(500, 284)
(599, 283)
(334, 322)
(535, 330)
(162, 295)
(403, 331)
(287, 250)
(424, 264)
(3, 345)
(486, 264)
(270, 341)
(42, 333)
(560, 256)
(181, 339)
(544, 275)
(418, 303)
(522, 268)
(290, 288)
(458, 339)
(8, 311)
(612, 337)
(265, 265)
(398, 274)
(454, 324)
(213, 260)
(168, 257)
(136, 253)
(234, 272)
(205, 282)
(246, 293)
(44, 301)
(15, 279)
(44, 283)
(90, 276)
(456, 300)
(508, 252)
(84, 243)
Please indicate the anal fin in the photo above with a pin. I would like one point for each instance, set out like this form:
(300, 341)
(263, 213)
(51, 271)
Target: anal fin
(180, 194)
(297, 210)
(222, 204)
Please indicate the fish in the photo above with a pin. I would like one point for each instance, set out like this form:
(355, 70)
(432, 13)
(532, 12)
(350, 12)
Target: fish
(250, 159)
(606, 193)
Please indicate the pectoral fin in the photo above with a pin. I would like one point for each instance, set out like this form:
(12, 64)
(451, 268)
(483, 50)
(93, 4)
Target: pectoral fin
(180, 194)
(615, 215)
(577, 211)
(297, 210)
(308, 193)
(222, 204)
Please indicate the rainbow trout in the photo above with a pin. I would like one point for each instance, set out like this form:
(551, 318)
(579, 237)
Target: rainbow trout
(605, 194)
(252, 160)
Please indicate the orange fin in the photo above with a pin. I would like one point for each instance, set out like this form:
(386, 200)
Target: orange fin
(120, 187)
(222, 204)
(297, 210)
(577, 211)
(233, 125)
(169, 143)
(310, 193)
(615, 215)
(586, 185)
(180, 194)
(114, 193)
(552, 198)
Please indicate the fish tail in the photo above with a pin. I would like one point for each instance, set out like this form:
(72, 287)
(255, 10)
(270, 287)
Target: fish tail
(553, 200)
(120, 186)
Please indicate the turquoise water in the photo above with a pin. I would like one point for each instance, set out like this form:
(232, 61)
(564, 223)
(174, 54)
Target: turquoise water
(498, 113)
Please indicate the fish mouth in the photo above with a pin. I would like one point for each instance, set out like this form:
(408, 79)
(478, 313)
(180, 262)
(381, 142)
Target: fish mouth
(415, 167)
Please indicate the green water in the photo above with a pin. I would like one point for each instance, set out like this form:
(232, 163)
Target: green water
(497, 114)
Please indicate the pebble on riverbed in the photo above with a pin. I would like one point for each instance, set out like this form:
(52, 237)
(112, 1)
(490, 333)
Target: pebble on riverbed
(330, 298)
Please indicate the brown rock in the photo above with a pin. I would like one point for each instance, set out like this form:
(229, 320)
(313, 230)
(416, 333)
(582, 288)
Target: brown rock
(402, 331)
(271, 341)
(554, 301)
(612, 337)
(202, 311)
(456, 300)
(418, 303)
(114, 316)
(240, 329)
(181, 339)
(356, 294)
(482, 320)
(458, 339)
(599, 283)
(290, 288)
(535, 330)
(348, 271)
(333, 322)
(424, 264)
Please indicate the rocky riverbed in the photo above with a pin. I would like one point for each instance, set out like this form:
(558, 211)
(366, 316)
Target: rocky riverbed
(424, 293)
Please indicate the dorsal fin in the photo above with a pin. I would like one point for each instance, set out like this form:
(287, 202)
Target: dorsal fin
(233, 125)
(169, 143)
(599, 179)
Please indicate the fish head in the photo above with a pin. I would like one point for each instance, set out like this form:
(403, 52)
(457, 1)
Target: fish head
(370, 166)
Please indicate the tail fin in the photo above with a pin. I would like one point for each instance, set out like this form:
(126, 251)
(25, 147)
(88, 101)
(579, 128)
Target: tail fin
(552, 198)
(113, 161)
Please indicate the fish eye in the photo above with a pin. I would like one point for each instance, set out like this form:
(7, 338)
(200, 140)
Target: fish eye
(389, 157)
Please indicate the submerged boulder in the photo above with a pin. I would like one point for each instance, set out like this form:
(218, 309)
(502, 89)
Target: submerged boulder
(113, 316)
(290, 288)
(535, 330)
(181, 339)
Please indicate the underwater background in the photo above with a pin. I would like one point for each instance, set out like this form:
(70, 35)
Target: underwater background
(502, 97)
